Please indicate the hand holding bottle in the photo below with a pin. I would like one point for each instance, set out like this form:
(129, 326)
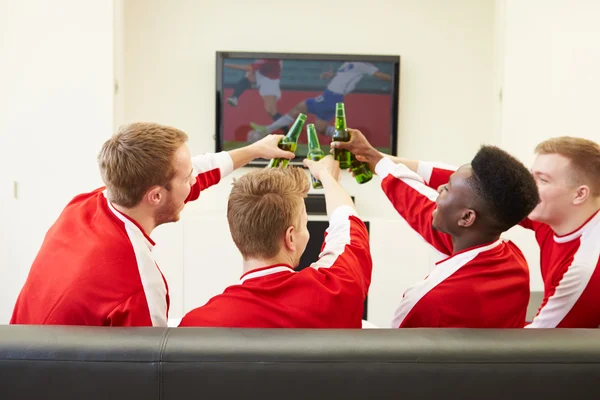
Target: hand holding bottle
(327, 167)
(267, 147)
(360, 147)
(289, 142)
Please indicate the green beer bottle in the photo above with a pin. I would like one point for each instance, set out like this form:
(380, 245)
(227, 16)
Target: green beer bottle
(314, 152)
(341, 134)
(361, 171)
(289, 142)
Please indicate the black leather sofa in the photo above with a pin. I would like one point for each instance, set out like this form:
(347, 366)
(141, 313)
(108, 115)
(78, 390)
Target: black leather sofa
(195, 363)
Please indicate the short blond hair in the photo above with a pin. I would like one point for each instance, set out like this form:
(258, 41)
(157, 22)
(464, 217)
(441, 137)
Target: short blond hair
(136, 158)
(584, 155)
(262, 205)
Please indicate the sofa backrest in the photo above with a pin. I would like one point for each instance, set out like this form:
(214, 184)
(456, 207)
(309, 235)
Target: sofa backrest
(54, 362)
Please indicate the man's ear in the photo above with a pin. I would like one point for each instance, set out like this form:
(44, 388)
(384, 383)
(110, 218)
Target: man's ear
(581, 195)
(288, 240)
(467, 218)
(154, 195)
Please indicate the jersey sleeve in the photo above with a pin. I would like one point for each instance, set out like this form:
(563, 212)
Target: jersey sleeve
(435, 174)
(414, 201)
(346, 251)
(209, 168)
(368, 69)
(134, 311)
(257, 65)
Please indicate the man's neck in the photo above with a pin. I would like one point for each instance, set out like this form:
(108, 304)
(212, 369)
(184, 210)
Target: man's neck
(143, 219)
(472, 240)
(575, 219)
(256, 263)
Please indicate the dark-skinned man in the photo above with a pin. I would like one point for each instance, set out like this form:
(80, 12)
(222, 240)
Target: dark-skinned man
(483, 280)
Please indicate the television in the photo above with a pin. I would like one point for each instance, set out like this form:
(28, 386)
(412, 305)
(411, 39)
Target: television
(262, 93)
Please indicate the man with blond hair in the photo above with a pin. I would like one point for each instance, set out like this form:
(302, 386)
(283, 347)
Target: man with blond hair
(267, 218)
(96, 266)
(567, 228)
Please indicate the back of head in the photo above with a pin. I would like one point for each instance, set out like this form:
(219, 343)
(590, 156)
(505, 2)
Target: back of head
(584, 157)
(262, 205)
(504, 185)
(136, 158)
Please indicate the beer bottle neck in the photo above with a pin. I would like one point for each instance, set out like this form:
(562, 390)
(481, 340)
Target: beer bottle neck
(294, 132)
(313, 141)
(340, 123)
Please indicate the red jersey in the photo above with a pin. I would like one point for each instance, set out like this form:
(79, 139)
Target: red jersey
(481, 287)
(570, 270)
(96, 266)
(268, 68)
(329, 294)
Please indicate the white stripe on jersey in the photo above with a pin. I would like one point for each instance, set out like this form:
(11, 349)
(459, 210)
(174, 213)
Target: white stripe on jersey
(152, 280)
(338, 237)
(425, 169)
(265, 272)
(210, 161)
(575, 280)
(387, 167)
(441, 272)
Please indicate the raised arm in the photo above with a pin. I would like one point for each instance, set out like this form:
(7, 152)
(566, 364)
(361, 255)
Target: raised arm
(326, 75)
(407, 191)
(434, 174)
(346, 252)
(382, 76)
(240, 67)
(414, 201)
(413, 165)
(212, 167)
(264, 148)
(328, 172)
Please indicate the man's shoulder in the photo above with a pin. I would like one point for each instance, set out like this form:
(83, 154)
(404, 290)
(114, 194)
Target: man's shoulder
(91, 253)
(86, 208)
(507, 250)
(89, 222)
(88, 197)
(499, 256)
(87, 240)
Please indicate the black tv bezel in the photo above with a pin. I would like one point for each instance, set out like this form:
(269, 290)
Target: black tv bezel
(222, 55)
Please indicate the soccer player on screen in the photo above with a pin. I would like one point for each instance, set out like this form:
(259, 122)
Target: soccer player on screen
(266, 73)
(323, 106)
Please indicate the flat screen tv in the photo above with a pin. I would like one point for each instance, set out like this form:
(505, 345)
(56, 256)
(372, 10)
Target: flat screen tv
(261, 93)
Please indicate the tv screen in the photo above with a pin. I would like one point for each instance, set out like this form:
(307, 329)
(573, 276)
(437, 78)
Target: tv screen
(262, 93)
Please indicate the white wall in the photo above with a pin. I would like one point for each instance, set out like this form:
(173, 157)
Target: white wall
(446, 109)
(119, 63)
(56, 62)
(551, 82)
(551, 72)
